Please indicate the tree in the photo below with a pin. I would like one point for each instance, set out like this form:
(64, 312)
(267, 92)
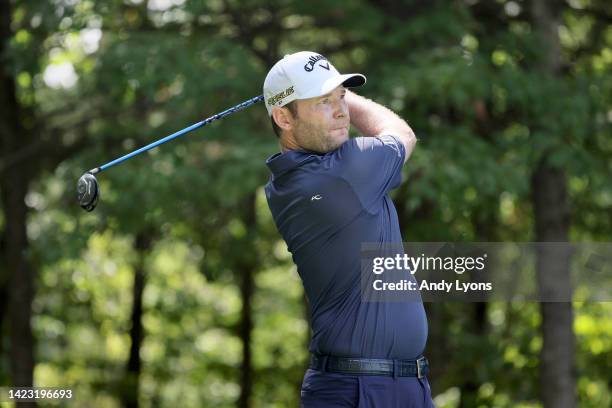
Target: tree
(552, 222)
(16, 279)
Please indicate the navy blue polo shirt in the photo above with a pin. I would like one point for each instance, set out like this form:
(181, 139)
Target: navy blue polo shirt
(325, 206)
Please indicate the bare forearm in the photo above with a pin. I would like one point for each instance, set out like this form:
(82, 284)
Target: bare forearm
(373, 119)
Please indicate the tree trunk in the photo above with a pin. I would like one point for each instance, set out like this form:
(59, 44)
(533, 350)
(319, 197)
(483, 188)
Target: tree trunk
(247, 287)
(246, 266)
(557, 367)
(477, 326)
(17, 275)
(4, 293)
(551, 212)
(485, 224)
(131, 385)
(20, 281)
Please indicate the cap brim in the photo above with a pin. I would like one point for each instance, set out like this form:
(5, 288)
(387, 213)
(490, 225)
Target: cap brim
(353, 80)
(348, 80)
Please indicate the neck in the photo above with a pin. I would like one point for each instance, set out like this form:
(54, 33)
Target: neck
(287, 142)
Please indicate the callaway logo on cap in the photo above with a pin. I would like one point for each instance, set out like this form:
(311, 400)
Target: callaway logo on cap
(304, 75)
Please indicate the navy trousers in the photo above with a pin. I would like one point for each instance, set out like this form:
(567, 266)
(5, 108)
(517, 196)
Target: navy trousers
(334, 390)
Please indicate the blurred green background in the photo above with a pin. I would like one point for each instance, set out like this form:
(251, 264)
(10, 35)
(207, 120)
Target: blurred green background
(178, 291)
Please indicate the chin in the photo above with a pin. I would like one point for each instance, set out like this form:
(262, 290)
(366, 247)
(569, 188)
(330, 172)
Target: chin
(342, 139)
(336, 143)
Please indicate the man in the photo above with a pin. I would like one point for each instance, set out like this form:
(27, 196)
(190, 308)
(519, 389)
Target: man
(328, 194)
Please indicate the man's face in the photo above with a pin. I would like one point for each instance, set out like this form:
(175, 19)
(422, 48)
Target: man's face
(322, 123)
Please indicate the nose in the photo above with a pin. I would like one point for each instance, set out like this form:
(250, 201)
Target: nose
(340, 109)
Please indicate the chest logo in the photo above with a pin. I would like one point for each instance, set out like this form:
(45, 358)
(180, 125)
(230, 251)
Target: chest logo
(316, 197)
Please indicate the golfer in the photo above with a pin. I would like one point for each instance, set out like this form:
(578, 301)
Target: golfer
(328, 194)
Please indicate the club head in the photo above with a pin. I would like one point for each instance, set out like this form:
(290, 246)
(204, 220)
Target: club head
(87, 189)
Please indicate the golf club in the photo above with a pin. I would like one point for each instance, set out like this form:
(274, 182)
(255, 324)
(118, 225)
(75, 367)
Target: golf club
(87, 187)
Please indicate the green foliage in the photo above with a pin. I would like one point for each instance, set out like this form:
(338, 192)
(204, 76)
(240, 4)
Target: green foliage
(465, 75)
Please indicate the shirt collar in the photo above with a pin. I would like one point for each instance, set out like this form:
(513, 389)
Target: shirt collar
(281, 163)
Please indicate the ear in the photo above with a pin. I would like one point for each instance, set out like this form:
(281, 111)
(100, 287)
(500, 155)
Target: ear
(283, 118)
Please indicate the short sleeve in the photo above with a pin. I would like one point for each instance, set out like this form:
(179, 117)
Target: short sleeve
(371, 165)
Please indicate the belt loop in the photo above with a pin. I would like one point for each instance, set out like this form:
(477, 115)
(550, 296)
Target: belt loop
(418, 367)
(395, 369)
(324, 363)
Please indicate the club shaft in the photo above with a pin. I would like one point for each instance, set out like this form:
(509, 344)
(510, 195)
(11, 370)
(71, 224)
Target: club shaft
(178, 134)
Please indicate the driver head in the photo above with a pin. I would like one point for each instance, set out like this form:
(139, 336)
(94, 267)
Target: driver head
(87, 189)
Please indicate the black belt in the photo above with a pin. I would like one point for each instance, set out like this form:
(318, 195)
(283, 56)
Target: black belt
(370, 366)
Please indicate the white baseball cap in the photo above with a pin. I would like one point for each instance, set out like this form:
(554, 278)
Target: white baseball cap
(304, 75)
